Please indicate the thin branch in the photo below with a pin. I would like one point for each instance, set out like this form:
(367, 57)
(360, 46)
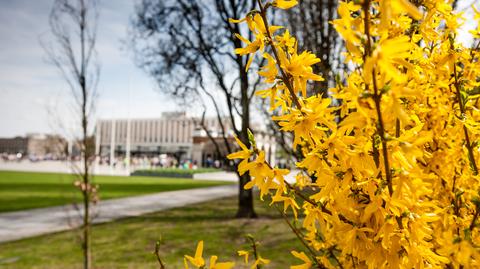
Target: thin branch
(285, 77)
(377, 97)
(157, 254)
(300, 237)
(468, 144)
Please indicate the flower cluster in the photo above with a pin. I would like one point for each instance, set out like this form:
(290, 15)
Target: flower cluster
(394, 158)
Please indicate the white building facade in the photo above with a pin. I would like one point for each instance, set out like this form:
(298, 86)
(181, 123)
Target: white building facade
(174, 134)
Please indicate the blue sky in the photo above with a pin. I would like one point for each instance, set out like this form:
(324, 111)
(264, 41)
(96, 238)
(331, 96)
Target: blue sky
(33, 95)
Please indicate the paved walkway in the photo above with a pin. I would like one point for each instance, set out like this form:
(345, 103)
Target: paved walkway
(28, 223)
(232, 177)
(61, 167)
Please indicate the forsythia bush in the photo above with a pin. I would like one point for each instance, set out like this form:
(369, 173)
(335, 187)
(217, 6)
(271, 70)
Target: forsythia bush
(394, 156)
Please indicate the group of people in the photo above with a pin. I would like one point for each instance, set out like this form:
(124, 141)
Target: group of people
(142, 162)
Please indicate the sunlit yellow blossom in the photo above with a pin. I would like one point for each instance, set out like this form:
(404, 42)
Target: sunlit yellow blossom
(389, 170)
(287, 42)
(385, 56)
(244, 154)
(299, 67)
(284, 4)
(259, 261)
(243, 253)
(288, 202)
(219, 265)
(307, 263)
(197, 260)
(269, 71)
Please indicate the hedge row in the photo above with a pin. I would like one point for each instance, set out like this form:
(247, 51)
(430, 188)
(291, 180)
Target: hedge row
(173, 172)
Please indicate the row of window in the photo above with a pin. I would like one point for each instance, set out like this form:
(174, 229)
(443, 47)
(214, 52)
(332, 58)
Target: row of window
(148, 131)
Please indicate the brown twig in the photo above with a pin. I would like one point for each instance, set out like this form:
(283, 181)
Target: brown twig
(301, 238)
(471, 156)
(377, 97)
(285, 77)
(330, 251)
(157, 254)
(474, 219)
(254, 248)
(322, 207)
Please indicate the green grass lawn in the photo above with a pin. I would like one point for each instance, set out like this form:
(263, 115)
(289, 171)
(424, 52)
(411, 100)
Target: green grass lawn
(25, 190)
(129, 243)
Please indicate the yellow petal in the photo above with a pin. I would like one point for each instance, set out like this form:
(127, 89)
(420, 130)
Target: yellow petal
(239, 142)
(250, 60)
(231, 20)
(285, 4)
(409, 8)
(238, 155)
(199, 251)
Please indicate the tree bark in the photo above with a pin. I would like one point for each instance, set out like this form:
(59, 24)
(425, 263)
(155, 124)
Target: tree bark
(245, 199)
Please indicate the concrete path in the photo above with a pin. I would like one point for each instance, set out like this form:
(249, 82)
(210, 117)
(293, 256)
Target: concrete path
(28, 223)
(62, 167)
(220, 176)
(232, 177)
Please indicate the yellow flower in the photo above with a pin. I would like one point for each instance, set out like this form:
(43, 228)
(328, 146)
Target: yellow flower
(302, 256)
(245, 153)
(287, 202)
(284, 4)
(395, 156)
(286, 41)
(269, 71)
(259, 167)
(259, 261)
(388, 53)
(272, 93)
(299, 67)
(243, 253)
(257, 26)
(221, 265)
(197, 260)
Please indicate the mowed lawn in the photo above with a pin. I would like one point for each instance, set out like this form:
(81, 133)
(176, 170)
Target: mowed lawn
(26, 190)
(129, 243)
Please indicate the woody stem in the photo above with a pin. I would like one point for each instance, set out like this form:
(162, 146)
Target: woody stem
(377, 98)
(285, 77)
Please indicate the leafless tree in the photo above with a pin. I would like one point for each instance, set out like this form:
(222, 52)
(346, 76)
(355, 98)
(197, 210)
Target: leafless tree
(187, 46)
(70, 47)
(310, 23)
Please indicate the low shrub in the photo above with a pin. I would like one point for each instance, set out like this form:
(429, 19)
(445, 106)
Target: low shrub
(173, 172)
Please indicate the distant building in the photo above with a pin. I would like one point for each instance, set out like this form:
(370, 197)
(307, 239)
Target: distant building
(14, 145)
(35, 146)
(204, 149)
(174, 134)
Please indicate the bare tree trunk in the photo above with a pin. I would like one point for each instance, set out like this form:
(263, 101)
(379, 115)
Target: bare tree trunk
(87, 259)
(73, 53)
(194, 45)
(245, 199)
